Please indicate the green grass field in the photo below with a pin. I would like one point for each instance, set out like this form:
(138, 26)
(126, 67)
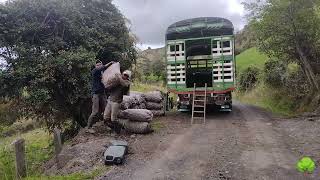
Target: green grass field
(261, 95)
(38, 150)
(143, 87)
(269, 99)
(250, 57)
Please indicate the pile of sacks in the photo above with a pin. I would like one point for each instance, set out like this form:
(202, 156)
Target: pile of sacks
(138, 110)
(134, 101)
(155, 103)
(136, 120)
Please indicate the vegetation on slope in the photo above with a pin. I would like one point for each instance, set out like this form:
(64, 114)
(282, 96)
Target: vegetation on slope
(39, 149)
(250, 57)
(150, 66)
(287, 32)
(245, 39)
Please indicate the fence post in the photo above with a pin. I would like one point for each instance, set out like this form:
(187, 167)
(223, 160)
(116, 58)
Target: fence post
(21, 170)
(57, 145)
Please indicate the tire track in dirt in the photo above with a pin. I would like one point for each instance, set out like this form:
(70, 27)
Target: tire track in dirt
(239, 145)
(266, 155)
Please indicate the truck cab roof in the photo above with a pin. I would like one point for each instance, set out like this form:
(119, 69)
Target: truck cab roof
(199, 27)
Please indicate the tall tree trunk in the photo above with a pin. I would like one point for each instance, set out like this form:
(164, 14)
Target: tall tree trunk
(302, 57)
(307, 69)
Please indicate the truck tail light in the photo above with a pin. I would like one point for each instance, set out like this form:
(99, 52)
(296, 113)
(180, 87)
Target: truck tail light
(184, 97)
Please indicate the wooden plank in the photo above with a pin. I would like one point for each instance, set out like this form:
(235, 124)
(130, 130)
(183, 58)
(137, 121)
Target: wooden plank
(19, 147)
(57, 146)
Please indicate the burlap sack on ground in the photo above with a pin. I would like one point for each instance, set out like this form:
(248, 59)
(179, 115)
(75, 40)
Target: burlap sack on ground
(139, 99)
(133, 102)
(154, 96)
(127, 103)
(132, 93)
(136, 127)
(138, 115)
(157, 113)
(142, 106)
(137, 107)
(121, 115)
(140, 102)
(110, 77)
(154, 106)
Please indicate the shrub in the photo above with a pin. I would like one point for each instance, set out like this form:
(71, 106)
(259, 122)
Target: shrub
(296, 85)
(288, 78)
(7, 114)
(275, 73)
(248, 78)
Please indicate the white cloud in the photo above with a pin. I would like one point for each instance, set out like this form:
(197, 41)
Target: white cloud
(150, 18)
(235, 6)
(146, 46)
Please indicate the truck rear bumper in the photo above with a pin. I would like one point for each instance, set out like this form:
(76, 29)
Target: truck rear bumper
(202, 92)
(217, 101)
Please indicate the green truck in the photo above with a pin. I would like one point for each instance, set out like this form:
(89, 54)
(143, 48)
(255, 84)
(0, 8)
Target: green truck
(200, 58)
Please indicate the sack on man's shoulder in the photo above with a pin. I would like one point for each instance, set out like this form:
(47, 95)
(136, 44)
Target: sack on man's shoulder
(110, 77)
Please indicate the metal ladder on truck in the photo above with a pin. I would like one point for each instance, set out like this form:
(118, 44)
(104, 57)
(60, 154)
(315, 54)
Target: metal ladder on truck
(199, 101)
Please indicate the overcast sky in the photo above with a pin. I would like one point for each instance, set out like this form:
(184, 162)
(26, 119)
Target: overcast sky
(150, 18)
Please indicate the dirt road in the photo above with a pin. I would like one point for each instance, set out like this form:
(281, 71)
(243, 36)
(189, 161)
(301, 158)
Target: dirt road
(244, 144)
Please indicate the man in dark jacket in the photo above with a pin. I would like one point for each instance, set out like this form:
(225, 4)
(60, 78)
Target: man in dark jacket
(99, 98)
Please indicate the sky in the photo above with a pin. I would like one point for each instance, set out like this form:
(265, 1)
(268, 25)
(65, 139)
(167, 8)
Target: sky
(150, 18)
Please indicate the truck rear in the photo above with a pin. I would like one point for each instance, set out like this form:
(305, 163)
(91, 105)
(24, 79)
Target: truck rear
(200, 52)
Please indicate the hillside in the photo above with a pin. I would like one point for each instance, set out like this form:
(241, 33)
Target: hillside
(151, 55)
(245, 39)
(262, 95)
(250, 57)
(153, 61)
(150, 62)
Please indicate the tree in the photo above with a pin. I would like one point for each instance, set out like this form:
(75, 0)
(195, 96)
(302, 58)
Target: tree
(245, 39)
(275, 73)
(151, 62)
(50, 46)
(289, 31)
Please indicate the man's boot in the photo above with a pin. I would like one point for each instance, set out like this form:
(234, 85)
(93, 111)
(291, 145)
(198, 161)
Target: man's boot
(117, 127)
(109, 124)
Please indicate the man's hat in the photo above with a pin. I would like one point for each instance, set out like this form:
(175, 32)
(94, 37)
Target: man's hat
(128, 73)
(98, 61)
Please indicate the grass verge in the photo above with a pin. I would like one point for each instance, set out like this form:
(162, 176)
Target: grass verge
(38, 147)
(270, 99)
(142, 87)
(75, 176)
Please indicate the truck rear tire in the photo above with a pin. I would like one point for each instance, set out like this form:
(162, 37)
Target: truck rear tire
(230, 108)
